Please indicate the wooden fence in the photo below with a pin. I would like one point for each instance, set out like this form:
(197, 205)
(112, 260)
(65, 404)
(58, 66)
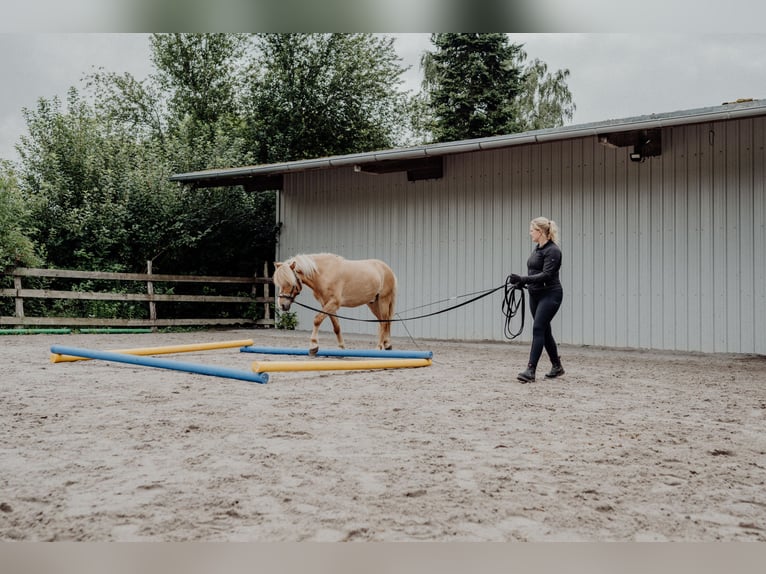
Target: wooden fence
(253, 284)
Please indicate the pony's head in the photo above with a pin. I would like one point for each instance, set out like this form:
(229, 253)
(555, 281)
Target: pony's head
(289, 276)
(287, 282)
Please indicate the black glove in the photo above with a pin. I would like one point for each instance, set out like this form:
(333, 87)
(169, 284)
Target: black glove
(517, 280)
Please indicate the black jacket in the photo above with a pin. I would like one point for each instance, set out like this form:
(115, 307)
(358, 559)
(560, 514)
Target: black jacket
(543, 267)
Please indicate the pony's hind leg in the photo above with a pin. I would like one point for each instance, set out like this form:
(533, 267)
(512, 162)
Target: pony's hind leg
(385, 336)
(387, 312)
(384, 328)
(314, 345)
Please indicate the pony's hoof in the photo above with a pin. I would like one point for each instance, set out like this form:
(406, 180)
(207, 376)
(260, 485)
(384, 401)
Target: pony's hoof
(389, 348)
(313, 352)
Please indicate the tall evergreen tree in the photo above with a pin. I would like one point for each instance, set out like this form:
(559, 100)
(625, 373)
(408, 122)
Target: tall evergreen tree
(477, 85)
(472, 81)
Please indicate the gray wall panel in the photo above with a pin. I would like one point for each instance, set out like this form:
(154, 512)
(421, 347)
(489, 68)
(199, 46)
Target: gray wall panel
(759, 236)
(747, 255)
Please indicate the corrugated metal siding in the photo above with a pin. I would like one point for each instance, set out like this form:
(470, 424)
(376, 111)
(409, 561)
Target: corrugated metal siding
(669, 253)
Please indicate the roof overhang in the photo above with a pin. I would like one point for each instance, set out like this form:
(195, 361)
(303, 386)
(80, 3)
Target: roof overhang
(418, 168)
(645, 142)
(643, 133)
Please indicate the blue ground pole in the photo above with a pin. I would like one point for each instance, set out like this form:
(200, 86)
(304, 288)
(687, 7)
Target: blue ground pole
(210, 370)
(371, 353)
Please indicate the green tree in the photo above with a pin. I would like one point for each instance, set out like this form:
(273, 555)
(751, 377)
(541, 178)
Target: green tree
(202, 79)
(471, 83)
(16, 247)
(200, 72)
(69, 175)
(314, 95)
(478, 85)
(139, 106)
(545, 101)
(186, 115)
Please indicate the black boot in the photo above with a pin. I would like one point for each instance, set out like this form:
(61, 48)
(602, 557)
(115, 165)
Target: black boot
(527, 376)
(556, 371)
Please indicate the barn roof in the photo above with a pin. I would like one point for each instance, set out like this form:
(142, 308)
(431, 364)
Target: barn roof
(424, 161)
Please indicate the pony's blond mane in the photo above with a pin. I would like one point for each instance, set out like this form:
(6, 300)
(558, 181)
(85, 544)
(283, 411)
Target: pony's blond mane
(304, 263)
(285, 274)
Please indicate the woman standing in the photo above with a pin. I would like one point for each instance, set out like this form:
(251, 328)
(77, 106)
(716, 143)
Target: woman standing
(545, 295)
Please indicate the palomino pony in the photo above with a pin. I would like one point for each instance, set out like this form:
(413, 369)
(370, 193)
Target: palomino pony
(338, 282)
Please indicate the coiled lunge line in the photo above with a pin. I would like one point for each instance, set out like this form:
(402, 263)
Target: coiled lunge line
(513, 299)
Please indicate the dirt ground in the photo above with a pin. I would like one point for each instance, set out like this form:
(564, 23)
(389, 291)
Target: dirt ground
(627, 446)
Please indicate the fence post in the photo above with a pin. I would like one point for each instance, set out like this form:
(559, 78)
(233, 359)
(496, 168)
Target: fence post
(150, 292)
(19, 299)
(266, 294)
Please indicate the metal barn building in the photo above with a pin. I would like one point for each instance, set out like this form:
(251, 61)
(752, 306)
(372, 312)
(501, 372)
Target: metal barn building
(662, 218)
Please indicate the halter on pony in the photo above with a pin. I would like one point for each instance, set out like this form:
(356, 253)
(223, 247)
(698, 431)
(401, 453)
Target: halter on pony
(295, 290)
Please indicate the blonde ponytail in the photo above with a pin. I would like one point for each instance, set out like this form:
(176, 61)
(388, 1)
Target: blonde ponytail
(547, 226)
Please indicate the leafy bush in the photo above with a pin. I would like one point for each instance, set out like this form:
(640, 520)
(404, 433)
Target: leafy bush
(287, 320)
(16, 248)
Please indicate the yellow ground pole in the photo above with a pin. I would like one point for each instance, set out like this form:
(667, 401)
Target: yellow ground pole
(339, 365)
(58, 358)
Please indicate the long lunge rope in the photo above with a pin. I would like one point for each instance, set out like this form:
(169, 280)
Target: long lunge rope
(513, 300)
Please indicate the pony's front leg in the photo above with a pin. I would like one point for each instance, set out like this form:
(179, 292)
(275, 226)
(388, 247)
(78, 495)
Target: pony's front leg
(328, 310)
(314, 345)
(338, 334)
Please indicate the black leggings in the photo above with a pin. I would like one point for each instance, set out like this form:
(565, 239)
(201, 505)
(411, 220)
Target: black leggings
(544, 306)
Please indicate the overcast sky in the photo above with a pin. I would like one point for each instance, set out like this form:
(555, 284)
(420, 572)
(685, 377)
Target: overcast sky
(612, 75)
